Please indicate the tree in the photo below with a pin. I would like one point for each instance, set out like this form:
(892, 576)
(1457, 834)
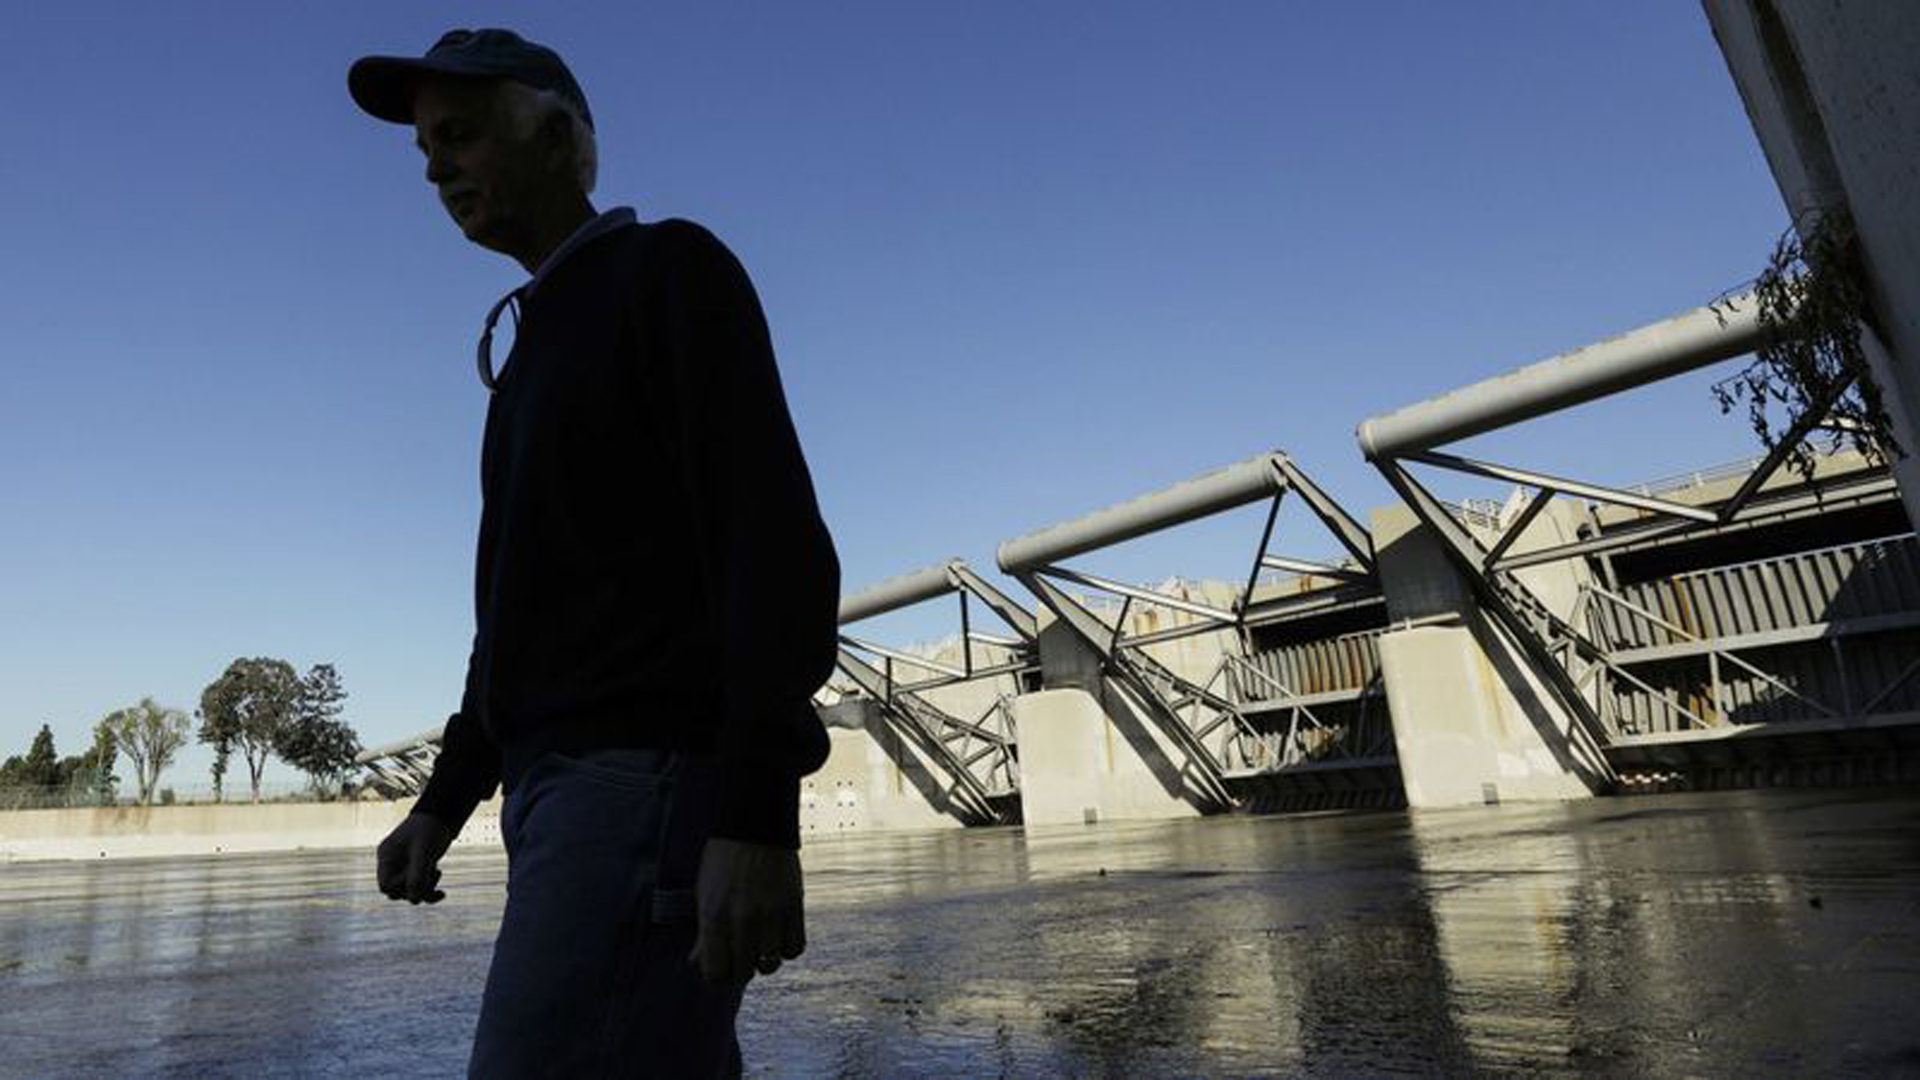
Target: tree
(88, 778)
(317, 741)
(150, 735)
(42, 765)
(247, 708)
(13, 791)
(31, 778)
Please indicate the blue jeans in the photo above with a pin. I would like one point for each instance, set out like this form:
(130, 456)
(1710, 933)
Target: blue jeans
(590, 974)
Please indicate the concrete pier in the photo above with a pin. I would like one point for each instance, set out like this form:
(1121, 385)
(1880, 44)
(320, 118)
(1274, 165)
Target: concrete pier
(1092, 748)
(1474, 724)
(873, 779)
(1085, 759)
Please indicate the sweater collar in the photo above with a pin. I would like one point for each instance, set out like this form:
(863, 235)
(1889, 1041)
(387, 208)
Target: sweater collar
(607, 222)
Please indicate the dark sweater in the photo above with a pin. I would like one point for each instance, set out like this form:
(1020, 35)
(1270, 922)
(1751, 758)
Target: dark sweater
(653, 570)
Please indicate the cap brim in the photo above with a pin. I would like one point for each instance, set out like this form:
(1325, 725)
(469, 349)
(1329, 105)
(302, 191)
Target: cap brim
(383, 85)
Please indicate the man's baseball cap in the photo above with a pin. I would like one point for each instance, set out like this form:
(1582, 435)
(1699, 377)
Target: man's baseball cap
(383, 85)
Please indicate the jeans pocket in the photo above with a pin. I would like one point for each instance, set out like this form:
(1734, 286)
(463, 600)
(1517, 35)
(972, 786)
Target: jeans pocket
(631, 769)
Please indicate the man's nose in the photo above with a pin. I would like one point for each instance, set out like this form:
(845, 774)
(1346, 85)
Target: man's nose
(439, 167)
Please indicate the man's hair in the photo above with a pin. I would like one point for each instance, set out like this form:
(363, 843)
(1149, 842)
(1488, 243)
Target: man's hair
(527, 108)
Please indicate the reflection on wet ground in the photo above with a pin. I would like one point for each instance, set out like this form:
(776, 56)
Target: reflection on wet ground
(1738, 933)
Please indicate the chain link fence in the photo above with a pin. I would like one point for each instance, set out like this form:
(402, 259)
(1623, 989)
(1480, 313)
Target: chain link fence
(57, 797)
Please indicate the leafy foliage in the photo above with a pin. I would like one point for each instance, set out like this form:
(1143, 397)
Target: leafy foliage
(149, 734)
(98, 764)
(317, 741)
(40, 777)
(42, 763)
(87, 779)
(247, 709)
(1813, 303)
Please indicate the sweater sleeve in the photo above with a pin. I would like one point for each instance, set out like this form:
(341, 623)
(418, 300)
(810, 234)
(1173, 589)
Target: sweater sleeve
(466, 770)
(772, 579)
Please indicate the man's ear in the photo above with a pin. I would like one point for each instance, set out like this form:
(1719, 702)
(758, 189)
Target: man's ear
(556, 137)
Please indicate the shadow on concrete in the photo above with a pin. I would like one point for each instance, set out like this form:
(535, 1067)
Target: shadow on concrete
(1131, 717)
(1541, 711)
(913, 765)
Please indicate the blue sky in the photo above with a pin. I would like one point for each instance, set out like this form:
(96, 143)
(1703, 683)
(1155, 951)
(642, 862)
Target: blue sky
(1021, 261)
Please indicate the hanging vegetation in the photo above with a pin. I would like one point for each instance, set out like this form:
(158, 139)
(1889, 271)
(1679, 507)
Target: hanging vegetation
(1810, 364)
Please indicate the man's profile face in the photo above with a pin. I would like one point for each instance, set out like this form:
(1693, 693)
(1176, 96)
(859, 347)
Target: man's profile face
(487, 178)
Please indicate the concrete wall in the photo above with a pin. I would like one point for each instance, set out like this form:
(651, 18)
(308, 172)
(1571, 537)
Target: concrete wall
(1090, 749)
(1833, 92)
(873, 780)
(1472, 722)
(1087, 758)
(214, 829)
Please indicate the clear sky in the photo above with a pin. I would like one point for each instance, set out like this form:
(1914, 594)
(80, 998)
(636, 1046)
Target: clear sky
(1020, 260)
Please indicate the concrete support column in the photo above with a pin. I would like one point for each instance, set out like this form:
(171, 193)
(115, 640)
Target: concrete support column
(1831, 93)
(1472, 723)
(872, 780)
(1089, 751)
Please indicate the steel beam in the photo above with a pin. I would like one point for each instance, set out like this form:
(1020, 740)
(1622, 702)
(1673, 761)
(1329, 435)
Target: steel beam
(1541, 498)
(1223, 489)
(431, 737)
(903, 657)
(1758, 639)
(1311, 568)
(1135, 670)
(1844, 493)
(968, 792)
(1664, 349)
(1497, 594)
(1279, 609)
(1012, 613)
(1778, 728)
(1596, 492)
(1145, 596)
(1352, 535)
(1256, 706)
(895, 593)
(1016, 667)
(1789, 440)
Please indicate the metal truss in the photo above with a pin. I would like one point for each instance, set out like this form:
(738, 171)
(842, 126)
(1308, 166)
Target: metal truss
(1843, 698)
(1307, 742)
(1216, 731)
(979, 757)
(400, 769)
(1561, 651)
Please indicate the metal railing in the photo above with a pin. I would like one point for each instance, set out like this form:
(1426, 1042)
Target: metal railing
(1831, 633)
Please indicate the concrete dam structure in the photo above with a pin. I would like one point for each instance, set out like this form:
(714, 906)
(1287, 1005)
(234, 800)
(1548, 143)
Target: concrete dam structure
(1739, 626)
(1745, 626)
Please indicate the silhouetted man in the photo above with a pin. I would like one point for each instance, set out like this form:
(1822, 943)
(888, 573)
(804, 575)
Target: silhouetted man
(655, 597)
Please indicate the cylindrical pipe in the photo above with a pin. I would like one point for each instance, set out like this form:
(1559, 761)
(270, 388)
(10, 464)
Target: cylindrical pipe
(376, 752)
(1685, 342)
(898, 592)
(1223, 489)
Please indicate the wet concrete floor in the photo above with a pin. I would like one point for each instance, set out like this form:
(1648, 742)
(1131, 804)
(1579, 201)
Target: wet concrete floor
(1732, 934)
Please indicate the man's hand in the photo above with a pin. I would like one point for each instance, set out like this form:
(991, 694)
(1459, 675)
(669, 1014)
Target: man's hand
(751, 911)
(407, 863)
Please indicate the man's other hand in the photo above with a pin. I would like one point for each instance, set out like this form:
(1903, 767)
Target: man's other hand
(408, 861)
(751, 911)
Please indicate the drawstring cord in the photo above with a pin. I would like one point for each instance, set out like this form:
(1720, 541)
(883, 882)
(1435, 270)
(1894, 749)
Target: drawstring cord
(487, 377)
